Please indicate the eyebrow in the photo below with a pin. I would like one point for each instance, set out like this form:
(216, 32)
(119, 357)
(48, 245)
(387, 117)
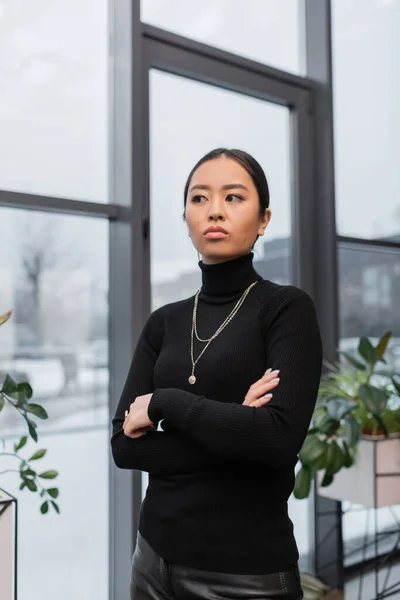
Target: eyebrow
(229, 186)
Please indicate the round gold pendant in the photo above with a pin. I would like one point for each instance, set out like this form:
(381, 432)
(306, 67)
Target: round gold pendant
(192, 379)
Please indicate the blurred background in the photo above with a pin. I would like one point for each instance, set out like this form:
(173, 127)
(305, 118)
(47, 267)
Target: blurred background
(105, 106)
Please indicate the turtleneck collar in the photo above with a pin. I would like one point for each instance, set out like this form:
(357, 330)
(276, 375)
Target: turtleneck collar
(229, 277)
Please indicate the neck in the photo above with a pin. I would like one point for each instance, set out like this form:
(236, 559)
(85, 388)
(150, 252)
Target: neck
(216, 261)
(229, 277)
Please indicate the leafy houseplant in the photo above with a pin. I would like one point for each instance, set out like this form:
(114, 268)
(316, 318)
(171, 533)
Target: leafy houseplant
(18, 396)
(356, 399)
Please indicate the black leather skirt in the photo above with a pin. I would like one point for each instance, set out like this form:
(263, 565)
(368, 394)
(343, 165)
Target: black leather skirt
(153, 578)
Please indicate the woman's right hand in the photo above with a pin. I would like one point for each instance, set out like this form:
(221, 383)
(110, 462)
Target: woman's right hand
(259, 393)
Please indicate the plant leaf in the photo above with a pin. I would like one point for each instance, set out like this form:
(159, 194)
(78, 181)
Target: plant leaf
(44, 508)
(302, 484)
(312, 450)
(335, 458)
(22, 402)
(357, 364)
(339, 408)
(37, 410)
(348, 459)
(367, 351)
(28, 473)
(53, 492)
(9, 386)
(25, 389)
(327, 479)
(313, 430)
(5, 317)
(382, 344)
(31, 485)
(2, 402)
(38, 454)
(32, 430)
(382, 425)
(321, 462)
(396, 385)
(49, 474)
(374, 399)
(351, 431)
(319, 417)
(327, 425)
(341, 383)
(56, 507)
(21, 443)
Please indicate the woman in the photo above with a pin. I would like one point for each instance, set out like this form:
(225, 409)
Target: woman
(214, 523)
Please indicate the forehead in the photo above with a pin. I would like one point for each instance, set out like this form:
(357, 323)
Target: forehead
(221, 171)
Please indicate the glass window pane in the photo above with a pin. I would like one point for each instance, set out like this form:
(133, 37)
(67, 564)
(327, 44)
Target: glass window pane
(268, 31)
(53, 100)
(54, 276)
(369, 293)
(369, 287)
(206, 117)
(366, 117)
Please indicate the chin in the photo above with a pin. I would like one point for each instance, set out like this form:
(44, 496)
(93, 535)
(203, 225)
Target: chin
(213, 254)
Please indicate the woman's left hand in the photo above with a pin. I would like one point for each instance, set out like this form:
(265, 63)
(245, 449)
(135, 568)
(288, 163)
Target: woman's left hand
(137, 422)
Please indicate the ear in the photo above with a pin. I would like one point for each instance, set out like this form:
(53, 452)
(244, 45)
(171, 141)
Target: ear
(265, 219)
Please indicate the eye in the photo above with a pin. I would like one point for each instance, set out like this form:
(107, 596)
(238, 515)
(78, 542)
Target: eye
(234, 197)
(197, 199)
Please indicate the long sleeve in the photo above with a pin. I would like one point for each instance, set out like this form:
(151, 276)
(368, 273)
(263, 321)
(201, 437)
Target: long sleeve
(157, 452)
(271, 435)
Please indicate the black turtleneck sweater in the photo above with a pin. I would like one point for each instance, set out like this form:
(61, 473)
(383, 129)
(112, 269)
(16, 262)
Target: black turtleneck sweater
(220, 473)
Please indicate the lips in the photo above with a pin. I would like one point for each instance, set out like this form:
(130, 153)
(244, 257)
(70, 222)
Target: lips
(215, 233)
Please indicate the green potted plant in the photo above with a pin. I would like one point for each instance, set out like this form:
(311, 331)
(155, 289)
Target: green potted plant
(353, 445)
(17, 396)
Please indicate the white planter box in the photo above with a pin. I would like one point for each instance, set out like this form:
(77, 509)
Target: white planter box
(8, 541)
(374, 481)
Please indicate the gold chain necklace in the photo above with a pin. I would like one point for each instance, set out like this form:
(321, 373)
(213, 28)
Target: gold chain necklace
(228, 318)
(192, 378)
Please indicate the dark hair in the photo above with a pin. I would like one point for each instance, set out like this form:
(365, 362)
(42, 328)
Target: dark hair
(249, 163)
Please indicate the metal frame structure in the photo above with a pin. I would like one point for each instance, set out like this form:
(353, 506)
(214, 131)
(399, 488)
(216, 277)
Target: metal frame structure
(135, 49)
(328, 538)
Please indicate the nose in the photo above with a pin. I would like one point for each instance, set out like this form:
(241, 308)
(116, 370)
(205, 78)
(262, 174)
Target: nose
(216, 210)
